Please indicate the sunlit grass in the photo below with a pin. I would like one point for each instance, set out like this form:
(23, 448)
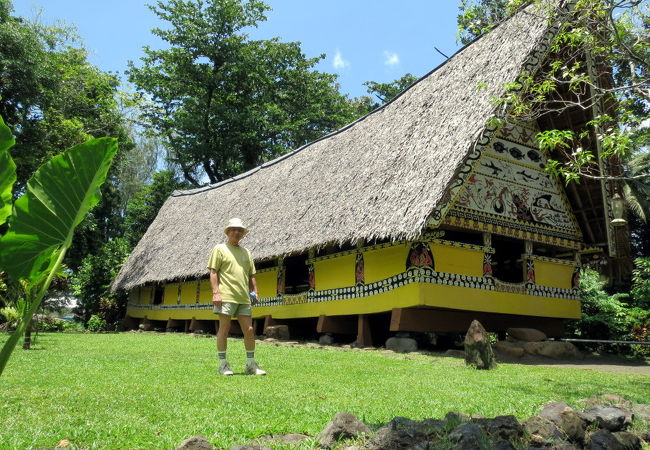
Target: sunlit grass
(137, 390)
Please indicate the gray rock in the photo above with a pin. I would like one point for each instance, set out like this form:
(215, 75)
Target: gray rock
(501, 427)
(457, 417)
(645, 436)
(466, 435)
(277, 332)
(610, 418)
(566, 419)
(195, 443)
(478, 351)
(553, 349)
(326, 339)
(389, 438)
(603, 440)
(401, 344)
(629, 440)
(563, 445)
(503, 445)
(509, 348)
(343, 426)
(455, 353)
(427, 427)
(526, 334)
(544, 428)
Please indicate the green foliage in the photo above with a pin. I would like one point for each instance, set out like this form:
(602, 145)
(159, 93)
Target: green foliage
(614, 316)
(10, 316)
(145, 204)
(96, 323)
(225, 103)
(57, 198)
(641, 282)
(91, 282)
(7, 172)
(614, 37)
(385, 92)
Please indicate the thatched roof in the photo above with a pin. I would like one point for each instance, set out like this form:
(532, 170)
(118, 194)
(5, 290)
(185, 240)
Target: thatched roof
(379, 177)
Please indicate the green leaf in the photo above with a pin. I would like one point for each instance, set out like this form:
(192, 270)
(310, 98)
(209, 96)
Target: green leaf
(56, 200)
(7, 171)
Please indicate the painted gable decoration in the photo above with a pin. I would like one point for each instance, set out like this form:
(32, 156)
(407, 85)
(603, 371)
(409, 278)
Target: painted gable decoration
(509, 187)
(359, 270)
(420, 256)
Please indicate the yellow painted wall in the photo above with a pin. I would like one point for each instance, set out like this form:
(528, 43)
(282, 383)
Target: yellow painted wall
(188, 292)
(471, 299)
(146, 295)
(170, 295)
(383, 263)
(335, 272)
(555, 275)
(457, 260)
(267, 283)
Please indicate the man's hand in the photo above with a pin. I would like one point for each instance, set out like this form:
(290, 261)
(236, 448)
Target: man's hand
(216, 299)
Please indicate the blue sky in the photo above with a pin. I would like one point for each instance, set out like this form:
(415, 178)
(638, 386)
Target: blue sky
(364, 40)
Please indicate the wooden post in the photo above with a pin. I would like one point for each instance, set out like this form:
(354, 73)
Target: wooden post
(364, 337)
(337, 324)
(268, 322)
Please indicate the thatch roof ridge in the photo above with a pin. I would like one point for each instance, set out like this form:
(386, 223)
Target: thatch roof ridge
(379, 177)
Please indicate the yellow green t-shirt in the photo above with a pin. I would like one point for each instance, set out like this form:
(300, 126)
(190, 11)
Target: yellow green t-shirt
(235, 266)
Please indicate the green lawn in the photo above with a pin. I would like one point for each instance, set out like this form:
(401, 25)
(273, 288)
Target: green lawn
(154, 390)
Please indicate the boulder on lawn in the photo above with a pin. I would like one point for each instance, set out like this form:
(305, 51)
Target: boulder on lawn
(343, 426)
(553, 349)
(400, 344)
(603, 440)
(478, 350)
(543, 427)
(326, 339)
(501, 427)
(526, 334)
(195, 443)
(280, 332)
(509, 348)
(609, 418)
(566, 419)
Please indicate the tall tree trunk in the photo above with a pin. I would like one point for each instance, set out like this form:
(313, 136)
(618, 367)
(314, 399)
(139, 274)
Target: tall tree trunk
(27, 343)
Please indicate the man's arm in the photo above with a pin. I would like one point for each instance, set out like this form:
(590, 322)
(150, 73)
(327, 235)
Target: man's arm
(216, 293)
(252, 285)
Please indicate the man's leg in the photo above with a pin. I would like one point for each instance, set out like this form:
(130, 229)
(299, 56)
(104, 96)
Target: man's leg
(246, 324)
(222, 344)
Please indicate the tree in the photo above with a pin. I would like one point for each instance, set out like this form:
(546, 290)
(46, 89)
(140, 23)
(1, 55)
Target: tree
(225, 103)
(598, 58)
(385, 92)
(91, 282)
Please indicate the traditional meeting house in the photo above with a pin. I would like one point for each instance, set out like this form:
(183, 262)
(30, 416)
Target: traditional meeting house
(418, 217)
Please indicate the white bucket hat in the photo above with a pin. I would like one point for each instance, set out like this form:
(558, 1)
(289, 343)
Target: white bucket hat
(236, 223)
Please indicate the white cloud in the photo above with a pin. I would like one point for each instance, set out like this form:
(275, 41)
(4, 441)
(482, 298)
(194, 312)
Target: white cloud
(392, 58)
(339, 62)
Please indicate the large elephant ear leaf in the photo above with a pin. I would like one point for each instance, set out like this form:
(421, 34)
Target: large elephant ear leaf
(57, 198)
(7, 171)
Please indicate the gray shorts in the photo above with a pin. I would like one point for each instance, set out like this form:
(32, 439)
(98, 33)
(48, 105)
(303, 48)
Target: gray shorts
(234, 309)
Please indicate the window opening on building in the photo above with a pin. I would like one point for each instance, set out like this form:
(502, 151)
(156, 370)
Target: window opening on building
(266, 263)
(507, 262)
(466, 237)
(296, 274)
(553, 252)
(158, 293)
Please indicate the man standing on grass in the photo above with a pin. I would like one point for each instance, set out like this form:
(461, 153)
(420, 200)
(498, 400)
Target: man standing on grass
(232, 276)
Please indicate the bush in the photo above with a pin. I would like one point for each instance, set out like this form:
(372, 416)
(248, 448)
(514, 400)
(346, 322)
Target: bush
(613, 316)
(10, 317)
(641, 283)
(96, 323)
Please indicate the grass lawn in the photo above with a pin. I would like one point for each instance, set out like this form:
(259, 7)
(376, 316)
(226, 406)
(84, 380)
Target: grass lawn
(136, 390)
